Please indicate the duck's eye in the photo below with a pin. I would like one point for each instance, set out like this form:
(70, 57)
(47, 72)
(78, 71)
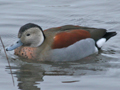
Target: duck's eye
(28, 35)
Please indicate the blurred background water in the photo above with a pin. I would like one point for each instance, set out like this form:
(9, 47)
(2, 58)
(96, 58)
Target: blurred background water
(96, 72)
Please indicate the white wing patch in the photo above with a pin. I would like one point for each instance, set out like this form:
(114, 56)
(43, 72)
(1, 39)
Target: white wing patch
(100, 42)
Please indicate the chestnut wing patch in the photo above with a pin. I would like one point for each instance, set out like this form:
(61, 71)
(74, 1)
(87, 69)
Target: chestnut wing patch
(65, 39)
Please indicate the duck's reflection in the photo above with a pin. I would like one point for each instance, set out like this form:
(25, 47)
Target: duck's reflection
(29, 74)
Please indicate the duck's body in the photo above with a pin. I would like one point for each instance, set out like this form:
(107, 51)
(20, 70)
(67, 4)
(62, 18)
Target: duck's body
(65, 43)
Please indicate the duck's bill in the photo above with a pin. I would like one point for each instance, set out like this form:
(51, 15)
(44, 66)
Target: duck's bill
(14, 46)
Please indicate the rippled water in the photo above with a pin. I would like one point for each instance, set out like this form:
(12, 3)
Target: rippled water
(96, 72)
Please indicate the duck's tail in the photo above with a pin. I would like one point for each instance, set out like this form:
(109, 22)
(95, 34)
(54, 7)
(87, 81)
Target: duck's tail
(107, 36)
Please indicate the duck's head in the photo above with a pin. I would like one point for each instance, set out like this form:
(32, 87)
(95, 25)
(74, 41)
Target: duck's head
(29, 35)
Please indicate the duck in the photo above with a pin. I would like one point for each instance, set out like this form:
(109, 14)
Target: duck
(64, 43)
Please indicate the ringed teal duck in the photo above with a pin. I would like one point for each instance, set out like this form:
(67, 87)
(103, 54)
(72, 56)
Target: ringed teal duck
(65, 43)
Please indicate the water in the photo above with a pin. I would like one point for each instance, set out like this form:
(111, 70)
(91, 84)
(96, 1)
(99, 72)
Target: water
(96, 72)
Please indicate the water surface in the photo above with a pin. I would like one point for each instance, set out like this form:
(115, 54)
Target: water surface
(96, 72)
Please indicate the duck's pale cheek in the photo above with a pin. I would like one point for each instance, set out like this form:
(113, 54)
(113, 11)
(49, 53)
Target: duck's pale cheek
(26, 52)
